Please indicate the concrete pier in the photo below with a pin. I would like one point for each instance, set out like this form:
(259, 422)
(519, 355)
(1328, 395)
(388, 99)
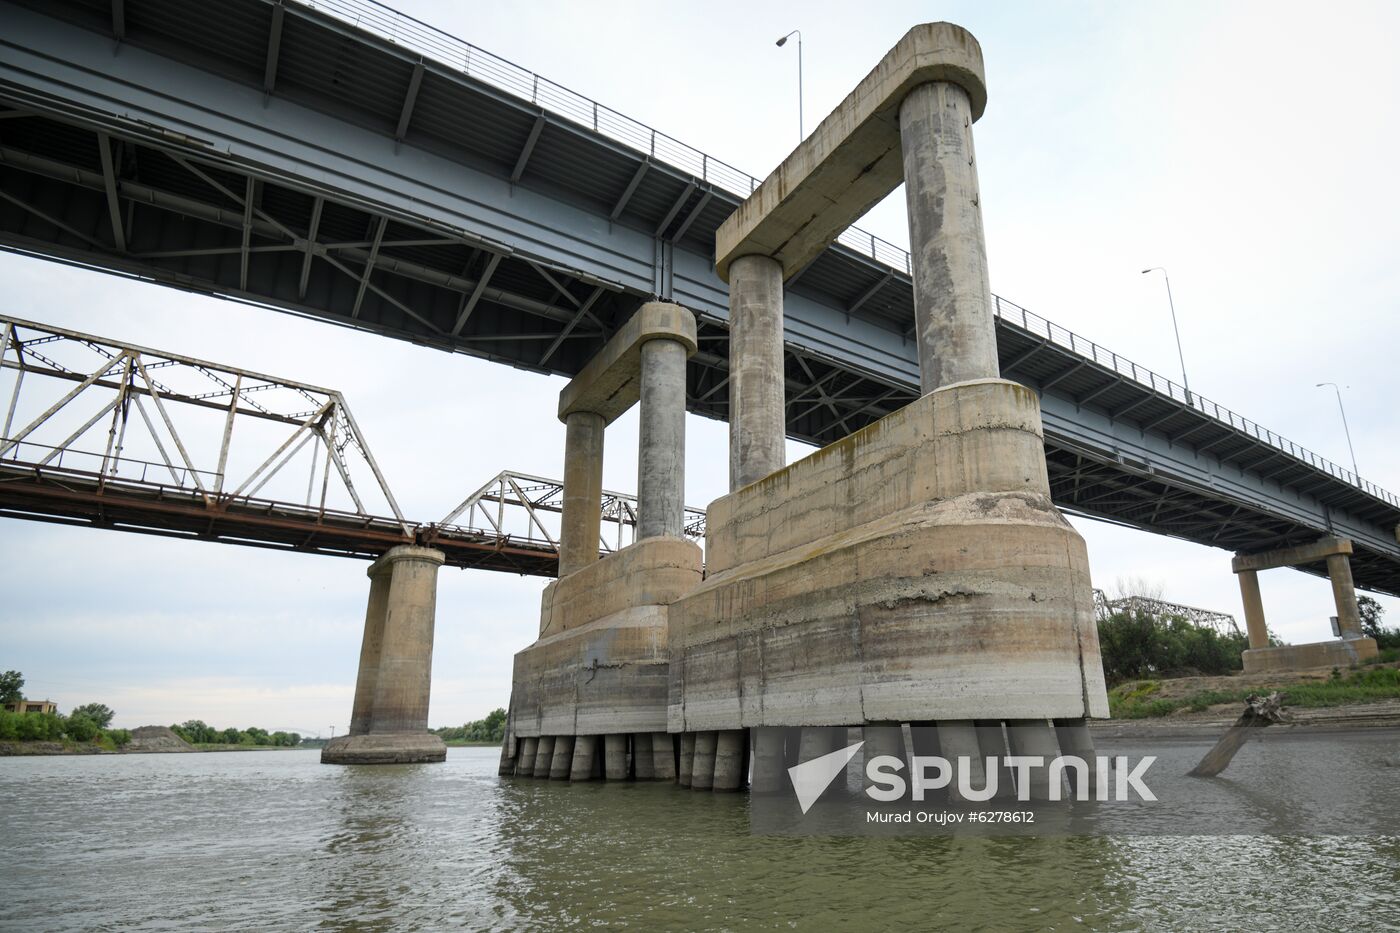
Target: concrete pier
(585, 752)
(643, 764)
(954, 327)
(1075, 741)
(389, 720)
(544, 757)
(687, 760)
(769, 761)
(663, 756)
(661, 446)
(1351, 648)
(757, 424)
(525, 757)
(731, 746)
(884, 739)
(615, 757)
(563, 758)
(702, 772)
(958, 742)
(581, 519)
(1034, 738)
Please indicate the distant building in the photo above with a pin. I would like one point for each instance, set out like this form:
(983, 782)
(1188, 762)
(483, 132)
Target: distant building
(32, 706)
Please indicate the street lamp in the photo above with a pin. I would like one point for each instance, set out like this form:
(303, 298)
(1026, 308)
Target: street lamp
(801, 132)
(1342, 409)
(1186, 383)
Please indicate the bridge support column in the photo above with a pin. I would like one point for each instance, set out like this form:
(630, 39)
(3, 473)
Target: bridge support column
(954, 326)
(757, 423)
(702, 772)
(663, 756)
(1254, 621)
(661, 442)
(730, 748)
(687, 762)
(769, 762)
(1344, 594)
(585, 749)
(582, 517)
(389, 721)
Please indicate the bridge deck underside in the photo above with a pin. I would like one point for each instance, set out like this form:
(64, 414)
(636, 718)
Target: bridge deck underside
(78, 188)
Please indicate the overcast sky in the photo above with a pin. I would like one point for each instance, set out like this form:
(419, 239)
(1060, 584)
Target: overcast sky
(1247, 147)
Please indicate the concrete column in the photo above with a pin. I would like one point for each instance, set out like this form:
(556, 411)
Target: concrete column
(663, 756)
(562, 759)
(544, 757)
(390, 713)
(757, 426)
(730, 745)
(957, 739)
(1253, 609)
(362, 713)
(1035, 738)
(615, 757)
(687, 759)
(955, 331)
(406, 653)
(661, 444)
(643, 765)
(817, 741)
(582, 515)
(702, 772)
(993, 742)
(1344, 594)
(882, 739)
(507, 762)
(1075, 741)
(769, 766)
(585, 748)
(525, 757)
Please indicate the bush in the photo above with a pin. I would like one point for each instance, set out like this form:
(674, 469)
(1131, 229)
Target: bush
(1135, 644)
(9, 726)
(39, 727)
(81, 728)
(120, 737)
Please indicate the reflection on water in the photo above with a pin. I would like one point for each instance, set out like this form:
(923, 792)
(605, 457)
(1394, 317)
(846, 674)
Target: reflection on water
(274, 840)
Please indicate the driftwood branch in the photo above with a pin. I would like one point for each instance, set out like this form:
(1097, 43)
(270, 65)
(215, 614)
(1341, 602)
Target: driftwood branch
(1259, 711)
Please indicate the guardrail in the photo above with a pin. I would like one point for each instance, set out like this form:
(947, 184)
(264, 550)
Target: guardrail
(484, 66)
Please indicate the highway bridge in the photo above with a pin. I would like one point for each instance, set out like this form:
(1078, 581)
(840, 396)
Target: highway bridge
(343, 161)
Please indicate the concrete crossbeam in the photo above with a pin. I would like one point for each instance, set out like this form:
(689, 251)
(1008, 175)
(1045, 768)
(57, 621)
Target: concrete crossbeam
(853, 159)
(1295, 556)
(611, 383)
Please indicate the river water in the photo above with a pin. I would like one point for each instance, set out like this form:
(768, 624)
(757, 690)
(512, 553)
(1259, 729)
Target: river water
(276, 841)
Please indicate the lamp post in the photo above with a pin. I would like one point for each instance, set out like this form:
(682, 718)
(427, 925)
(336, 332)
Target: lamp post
(801, 131)
(1186, 383)
(1343, 410)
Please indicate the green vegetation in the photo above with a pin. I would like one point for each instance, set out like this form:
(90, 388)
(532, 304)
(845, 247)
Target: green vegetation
(197, 733)
(11, 687)
(1139, 700)
(488, 731)
(100, 713)
(1372, 626)
(1136, 643)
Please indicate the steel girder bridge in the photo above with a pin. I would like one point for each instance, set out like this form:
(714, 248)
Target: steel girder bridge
(106, 434)
(339, 160)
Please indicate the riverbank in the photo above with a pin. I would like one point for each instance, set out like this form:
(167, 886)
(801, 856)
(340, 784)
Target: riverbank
(88, 748)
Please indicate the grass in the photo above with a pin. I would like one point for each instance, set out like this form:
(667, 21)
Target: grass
(1135, 700)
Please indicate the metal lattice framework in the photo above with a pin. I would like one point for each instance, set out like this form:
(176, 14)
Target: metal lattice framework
(1221, 622)
(538, 499)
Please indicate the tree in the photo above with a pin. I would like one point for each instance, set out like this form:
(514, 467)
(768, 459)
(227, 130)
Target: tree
(1372, 625)
(120, 737)
(230, 736)
(99, 713)
(11, 687)
(81, 728)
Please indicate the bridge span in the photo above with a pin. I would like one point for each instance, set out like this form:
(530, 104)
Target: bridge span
(343, 161)
(106, 434)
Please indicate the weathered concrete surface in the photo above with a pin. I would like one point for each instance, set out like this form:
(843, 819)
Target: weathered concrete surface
(702, 772)
(581, 518)
(611, 382)
(661, 440)
(1295, 556)
(730, 748)
(853, 159)
(914, 571)
(585, 756)
(643, 764)
(953, 324)
(615, 757)
(663, 756)
(687, 759)
(1344, 595)
(599, 665)
(1254, 621)
(389, 721)
(1340, 653)
(562, 759)
(757, 422)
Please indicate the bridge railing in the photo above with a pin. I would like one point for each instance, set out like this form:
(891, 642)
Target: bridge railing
(484, 66)
(1082, 346)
